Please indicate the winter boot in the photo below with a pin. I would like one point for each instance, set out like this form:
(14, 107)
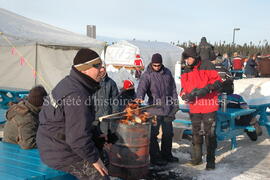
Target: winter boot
(196, 156)
(210, 160)
(210, 157)
(171, 159)
(158, 162)
(252, 135)
(210, 165)
(256, 125)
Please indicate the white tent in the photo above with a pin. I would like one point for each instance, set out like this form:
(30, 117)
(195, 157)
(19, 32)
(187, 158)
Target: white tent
(48, 51)
(124, 53)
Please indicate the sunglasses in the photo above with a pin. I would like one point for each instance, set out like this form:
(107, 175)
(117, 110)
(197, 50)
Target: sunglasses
(154, 65)
(97, 66)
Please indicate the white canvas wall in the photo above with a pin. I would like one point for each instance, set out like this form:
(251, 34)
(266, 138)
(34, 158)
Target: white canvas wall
(124, 52)
(53, 65)
(14, 75)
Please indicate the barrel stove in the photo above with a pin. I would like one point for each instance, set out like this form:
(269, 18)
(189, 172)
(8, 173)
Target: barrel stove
(129, 156)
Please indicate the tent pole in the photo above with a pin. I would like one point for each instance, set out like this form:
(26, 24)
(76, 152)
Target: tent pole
(36, 59)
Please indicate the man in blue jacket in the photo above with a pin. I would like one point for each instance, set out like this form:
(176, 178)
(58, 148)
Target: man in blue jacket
(65, 133)
(158, 83)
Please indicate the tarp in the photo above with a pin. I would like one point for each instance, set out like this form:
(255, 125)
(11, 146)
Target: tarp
(24, 31)
(48, 50)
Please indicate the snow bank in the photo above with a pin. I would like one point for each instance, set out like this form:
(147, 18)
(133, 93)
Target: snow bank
(254, 90)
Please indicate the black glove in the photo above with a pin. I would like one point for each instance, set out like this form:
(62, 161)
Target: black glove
(195, 93)
(217, 86)
(200, 92)
(99, 142)
(112, 138)
(188, 97)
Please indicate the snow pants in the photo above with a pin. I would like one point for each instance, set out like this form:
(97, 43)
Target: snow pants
(203, 124)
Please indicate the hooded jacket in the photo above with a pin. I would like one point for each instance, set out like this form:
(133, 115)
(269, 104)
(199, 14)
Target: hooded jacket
(250, 68)
(105, 97)
(206, 50)
(161, 89)
(22, 124)
(65, 132)
(200, 76)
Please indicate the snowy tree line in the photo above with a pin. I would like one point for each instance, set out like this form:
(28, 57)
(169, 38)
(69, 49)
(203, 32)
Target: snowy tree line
(244, 50)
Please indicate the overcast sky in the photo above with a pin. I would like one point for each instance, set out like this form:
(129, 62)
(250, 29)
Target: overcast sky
(162, 20)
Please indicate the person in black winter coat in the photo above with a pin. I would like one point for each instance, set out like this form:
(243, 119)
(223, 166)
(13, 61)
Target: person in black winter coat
(105, 96)
(250, 69)
(126, 95)
(65, 134)
(105, 100)
(159, 85)
(206, 50)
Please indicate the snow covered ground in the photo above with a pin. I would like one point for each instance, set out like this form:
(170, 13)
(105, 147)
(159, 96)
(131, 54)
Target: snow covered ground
(254, 90)
(249, 161)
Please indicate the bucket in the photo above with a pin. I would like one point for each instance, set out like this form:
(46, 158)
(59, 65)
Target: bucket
(129, 156)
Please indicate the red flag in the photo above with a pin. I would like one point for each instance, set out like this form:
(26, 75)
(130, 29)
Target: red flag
(22, 60)
(13, 51)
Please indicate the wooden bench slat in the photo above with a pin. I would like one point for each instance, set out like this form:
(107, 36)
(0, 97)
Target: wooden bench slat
(26, 164)
(38, 167)
(7, 169)
(5, 176)
(27, 157)
(15, 148)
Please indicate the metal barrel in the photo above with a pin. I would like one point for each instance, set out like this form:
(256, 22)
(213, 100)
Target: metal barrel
(129, 156)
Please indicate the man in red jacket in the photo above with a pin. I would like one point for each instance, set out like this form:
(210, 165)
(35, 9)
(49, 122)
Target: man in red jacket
(200, 84)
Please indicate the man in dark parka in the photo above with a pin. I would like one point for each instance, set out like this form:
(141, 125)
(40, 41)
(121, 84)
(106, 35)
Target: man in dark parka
(206, 50)
(158, 83)
(106, 101)
(65, 133)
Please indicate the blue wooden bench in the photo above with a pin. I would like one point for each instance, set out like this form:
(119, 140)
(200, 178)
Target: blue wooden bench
(186, 125)
(2, 116)
(237, 72)
(19, 164)
(11, 95)
(225, 124)
(261, 111)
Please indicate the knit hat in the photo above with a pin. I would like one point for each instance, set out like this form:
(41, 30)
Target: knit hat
(190, 52)
(128, 84)
(36, 96)
(156, 58)
(85, 59)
